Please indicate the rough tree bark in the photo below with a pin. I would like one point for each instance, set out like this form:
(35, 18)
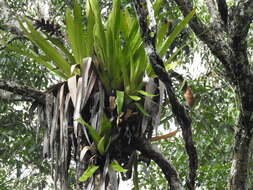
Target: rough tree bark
(226, 39)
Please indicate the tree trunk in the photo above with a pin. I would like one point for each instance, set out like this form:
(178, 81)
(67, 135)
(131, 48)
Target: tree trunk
(233, 54)
(239, 173)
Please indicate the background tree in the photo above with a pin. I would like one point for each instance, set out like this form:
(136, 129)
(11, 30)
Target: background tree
(229, 45)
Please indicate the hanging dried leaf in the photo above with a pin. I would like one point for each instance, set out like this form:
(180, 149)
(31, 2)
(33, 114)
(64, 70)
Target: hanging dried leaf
(94, 110)
(72, 85)
(77, 105)
(97, 109)
(61, 109)
(87, 91)
(157, 117)
(49, 109)
(152, 105)
(74, 69)
(112, 103)
(105, 171)
(54, 124)
(150, 88)
(65, 148)
(53, 137)
(46, 148)
(84, 151)
(114, 183)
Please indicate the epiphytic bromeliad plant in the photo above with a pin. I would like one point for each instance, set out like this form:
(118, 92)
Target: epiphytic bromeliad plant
(104, 104)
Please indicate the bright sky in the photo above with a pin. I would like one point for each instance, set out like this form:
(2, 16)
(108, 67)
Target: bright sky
(126, 185)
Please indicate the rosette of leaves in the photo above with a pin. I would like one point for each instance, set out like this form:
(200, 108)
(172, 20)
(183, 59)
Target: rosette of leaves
(103, 103)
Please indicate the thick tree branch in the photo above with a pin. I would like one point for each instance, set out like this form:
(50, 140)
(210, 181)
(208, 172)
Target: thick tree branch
(240, 169)
(169, 171)
(22, 90)
(241, 19)
(223, 10)
(8, 96)
(213, 38)
(215, 14)
(148, 34)
(18, 34)
(231, 56)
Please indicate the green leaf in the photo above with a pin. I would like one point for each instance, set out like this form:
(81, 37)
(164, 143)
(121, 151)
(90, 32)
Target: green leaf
(157, 6)
(61, 46)
(88, 172)
(116, 167)
(39, 59)
(142, 109)
(75, 32)
(166, 44)
(172, 65)
(125, 24)
(37, 38)
(182, 85)
(113, 43)
(119, 101)
(101, 146)
(161, 32)
(98, 32)
(175, 54)
(144, 93)
(114, 17)
(107, 143)
(106, 126)
(135, 98)
(93, 133)
(90, 28)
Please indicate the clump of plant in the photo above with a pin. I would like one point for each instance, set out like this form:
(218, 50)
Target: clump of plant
(103, 103)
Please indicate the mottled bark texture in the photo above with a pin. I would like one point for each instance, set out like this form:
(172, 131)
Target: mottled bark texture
(148, 33)
(230, 47)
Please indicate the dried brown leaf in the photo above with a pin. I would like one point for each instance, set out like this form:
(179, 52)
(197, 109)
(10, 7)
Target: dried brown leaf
(72, 85)
(77, 105)
(148, 106)
(84, 151)
(54, 124)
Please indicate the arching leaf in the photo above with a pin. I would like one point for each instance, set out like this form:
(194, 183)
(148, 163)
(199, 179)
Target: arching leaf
(88, 172)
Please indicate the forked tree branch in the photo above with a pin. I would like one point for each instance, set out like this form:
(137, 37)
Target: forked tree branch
(24, 91)
(225, 47)
(148, 33)
(146, 148)
(9, 96)
(214, 12)
(242, 17)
